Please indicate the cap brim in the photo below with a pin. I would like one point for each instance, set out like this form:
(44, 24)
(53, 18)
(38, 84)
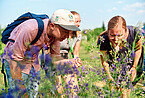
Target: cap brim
(70, 27)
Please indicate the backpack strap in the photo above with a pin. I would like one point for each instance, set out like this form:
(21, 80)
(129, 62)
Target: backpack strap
(71, 48)
(3, 72)
(40, 30)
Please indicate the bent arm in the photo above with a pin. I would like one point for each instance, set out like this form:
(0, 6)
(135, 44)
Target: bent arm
(76, 49)
(103, 57)
(136, 59)
(137, 52)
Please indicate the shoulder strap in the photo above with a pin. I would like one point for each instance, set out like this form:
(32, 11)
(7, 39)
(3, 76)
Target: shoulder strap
(40, 30)
(71, 48)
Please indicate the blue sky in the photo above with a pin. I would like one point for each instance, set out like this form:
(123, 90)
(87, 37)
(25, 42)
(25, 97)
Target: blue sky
(93, 12)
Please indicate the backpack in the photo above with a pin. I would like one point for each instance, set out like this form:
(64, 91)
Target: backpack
(6, 33)
(10, 27)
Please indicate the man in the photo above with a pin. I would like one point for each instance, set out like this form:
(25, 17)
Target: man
(20, 59)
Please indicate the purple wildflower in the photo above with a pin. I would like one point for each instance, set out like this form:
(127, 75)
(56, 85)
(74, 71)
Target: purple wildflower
(113, 66)
(102, 39)
(132, 54)
(28, 54)
(45, 47)
(85, 32)
(111, 69)
(99, 53)
(118, 59)
(143, 31)
(99, 93)
(47, 59)
(87, 88)
(103, 70)
(118, 81)
(35, 50)
(98, 72)
(95, 57)
(36, 61)
(3, 54)
(10, 53)
(130, 60)
(86, 84)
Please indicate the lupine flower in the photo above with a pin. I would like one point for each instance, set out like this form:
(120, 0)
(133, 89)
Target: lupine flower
(35, 50)
(10, 53)
(85, 32)
(95, 57)
(28, 54)
(99, 53)
(45, 47)
(98, 72)
(118, 59)
(118, 81)
(36, 61)
(48, 59)
(111, 69)
(113, 66)
(132, 54)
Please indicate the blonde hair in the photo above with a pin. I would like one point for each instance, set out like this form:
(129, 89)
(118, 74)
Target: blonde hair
(114, 22)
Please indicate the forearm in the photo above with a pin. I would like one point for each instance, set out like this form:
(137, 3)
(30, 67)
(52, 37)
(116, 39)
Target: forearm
(137, 57)
(76, 49)
(138, 51)
(106, 68)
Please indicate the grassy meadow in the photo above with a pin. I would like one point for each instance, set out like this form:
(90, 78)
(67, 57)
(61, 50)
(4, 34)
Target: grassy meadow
(91, 78)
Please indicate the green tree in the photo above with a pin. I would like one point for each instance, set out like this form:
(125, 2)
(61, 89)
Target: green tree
(1, 44)
(103, 27)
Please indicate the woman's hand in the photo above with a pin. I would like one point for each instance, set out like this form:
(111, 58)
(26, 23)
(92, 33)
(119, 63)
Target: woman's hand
(79, 61)
(76, 61)
(133, 73)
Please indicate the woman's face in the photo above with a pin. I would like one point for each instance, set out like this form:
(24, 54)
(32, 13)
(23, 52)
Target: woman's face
(116, 35)
(77, 20)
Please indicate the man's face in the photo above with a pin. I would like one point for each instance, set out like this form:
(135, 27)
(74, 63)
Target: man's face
(116, 34)
(60, 33)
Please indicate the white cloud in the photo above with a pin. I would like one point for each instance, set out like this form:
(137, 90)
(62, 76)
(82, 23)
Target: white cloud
(141, 12)
(119, 2)
(128, 9)
(134, 6)
(113, 9)
(100, 11)
(137, 4)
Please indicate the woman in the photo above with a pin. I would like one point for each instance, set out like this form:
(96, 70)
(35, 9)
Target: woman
(73, 42)
(121, 51)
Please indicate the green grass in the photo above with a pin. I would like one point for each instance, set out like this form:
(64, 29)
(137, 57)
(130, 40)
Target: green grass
(91, 61)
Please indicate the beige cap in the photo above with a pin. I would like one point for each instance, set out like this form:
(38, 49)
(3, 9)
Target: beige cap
(65, 19)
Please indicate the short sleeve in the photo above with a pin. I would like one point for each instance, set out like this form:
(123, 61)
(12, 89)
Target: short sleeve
(79, 38)
(138, 35)
(103, 42)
